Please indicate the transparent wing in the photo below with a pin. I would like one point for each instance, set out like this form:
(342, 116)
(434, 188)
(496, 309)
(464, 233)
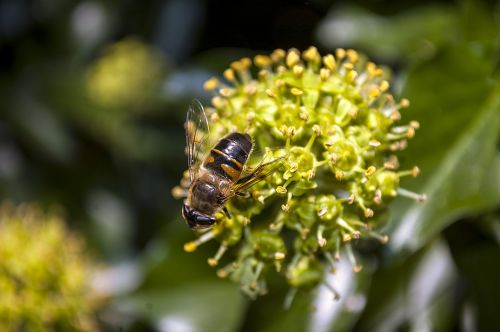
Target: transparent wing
(257, 174)
(197, 132)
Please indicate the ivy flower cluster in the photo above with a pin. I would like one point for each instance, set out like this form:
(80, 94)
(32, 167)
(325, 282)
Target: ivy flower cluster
(333, 122)
(45, 275)
(125, 77)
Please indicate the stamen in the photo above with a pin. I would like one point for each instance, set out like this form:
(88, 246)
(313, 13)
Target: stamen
(342, 223)
(319, 236)
(410, 194)
(370, 171)
(298, 70)
(229, 75)
(329, 62)
(377, 199)
(415, 171)
(330, 260)
(356, 267)
(382, 238)
(211, 84)
(191, 246)
(290, 296)
(220, 252)
(337, 249)
(292, 58)
(227, 270)
(336, 294)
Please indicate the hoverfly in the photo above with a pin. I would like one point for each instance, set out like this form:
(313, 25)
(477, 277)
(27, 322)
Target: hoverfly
(218, 175)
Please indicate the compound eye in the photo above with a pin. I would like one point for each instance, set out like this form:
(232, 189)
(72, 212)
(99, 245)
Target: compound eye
(204, 221)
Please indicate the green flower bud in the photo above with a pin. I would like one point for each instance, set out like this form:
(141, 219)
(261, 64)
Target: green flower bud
(305, 272)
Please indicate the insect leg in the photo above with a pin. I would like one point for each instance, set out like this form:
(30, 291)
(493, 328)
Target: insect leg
(226, 212)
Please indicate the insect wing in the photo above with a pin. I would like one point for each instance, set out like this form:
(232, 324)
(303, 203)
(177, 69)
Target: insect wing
(197, 132)
(257, 174)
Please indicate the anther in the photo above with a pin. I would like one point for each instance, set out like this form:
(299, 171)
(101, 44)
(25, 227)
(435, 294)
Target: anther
(404, 103)
(369, 172)
(324, 74)
(351, 76)
(226, 92)
(270, 93)
(415, 171)
(348, 66)
(377, 199)
(319, 236)
(352, 55)
(298, 70)
(179, 192)
(279, 256)
(229, 75)
(292, 58)
(278, 55)
(340, 53)
(191, 246)
(311, 54)
(281, 190)
(336, 294)
(262, 61)
(211, 84)
(344, 224)
(218, 255)
(350, 255)
(329, 62)
(368, 212)
(415, 124)
(296, 92)
(384, 86)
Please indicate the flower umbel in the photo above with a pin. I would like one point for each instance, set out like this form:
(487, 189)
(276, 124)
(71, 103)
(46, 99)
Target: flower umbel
(333, 121)
(126, 76)
(45, 278)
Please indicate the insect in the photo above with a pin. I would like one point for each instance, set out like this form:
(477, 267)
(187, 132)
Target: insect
(220, 174)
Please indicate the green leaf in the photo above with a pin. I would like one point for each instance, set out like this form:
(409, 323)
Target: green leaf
(476, 250)
(180, 288)
(203, 306)
(417, 293)
(413, 34)
(458, 106)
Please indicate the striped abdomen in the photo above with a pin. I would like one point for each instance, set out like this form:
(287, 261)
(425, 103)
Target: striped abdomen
(229, 156)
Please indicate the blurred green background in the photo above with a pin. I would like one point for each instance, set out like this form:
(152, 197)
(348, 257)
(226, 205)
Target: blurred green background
(94, 95)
